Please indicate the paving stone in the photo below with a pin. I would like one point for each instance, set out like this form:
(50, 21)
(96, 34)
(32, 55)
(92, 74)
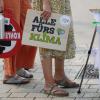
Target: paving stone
(31, 85)
(78, 60)
(39, 88)
(18, 95)
(17, 98)
(96, 98)
(94, 81)
(85, 86)
(71, 73)
(1, 63)
(4, 90)
(94, 86)
(63, 98)
(39, 70)
(74, 90)
(43, 99)
(84, 81)
(99, 90)
(72, 67)
(83, 99)
(4, 94)
(67, 71)
(76, 95)
(38, 76)
(8, 86)
(21, 90)
(89, 90)
(1, 77)
(95, 95)
(76, 63)
(39, 95)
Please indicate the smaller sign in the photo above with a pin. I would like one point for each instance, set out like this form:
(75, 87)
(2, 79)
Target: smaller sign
(51, 34)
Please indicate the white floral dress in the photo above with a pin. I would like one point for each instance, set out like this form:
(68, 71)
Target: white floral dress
(62, 7)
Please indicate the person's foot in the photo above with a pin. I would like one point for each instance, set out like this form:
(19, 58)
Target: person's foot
(24, 73)
(53, 89)
(16, 80)
(66, 83)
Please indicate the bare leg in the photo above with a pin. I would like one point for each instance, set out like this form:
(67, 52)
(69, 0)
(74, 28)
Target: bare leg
(59, 70)
(50, 87)
(47, 70)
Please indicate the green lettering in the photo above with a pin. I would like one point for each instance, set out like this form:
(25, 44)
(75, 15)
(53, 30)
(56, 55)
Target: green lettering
(58, 41)
(45, 38)
(31, 36)
(53, 40)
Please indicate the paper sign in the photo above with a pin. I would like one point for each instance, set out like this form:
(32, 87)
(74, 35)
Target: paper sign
(51, 34)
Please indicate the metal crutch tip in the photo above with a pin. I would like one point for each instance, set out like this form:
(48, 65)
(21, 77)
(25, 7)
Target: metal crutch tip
(78, 91)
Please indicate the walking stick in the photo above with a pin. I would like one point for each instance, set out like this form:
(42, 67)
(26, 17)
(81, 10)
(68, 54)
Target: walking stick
(89, 52)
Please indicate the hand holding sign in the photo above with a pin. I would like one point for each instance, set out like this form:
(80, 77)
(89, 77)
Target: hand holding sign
(46, 10)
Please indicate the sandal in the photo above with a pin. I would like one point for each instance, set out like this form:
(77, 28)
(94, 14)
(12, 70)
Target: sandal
(64, 84)
(54, 90)
(16, 80)
(24, 73)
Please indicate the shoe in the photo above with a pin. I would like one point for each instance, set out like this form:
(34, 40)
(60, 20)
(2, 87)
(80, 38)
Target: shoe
(64, 84)
(54, 90)
(24, 73)
(16, 80)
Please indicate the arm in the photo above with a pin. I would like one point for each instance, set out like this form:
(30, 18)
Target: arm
(1, 6)
(46, 9)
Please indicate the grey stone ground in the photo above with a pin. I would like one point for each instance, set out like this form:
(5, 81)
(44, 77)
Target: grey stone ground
(83, 35)
(33, 90)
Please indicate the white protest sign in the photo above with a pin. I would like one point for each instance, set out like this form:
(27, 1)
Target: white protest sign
(51, 34)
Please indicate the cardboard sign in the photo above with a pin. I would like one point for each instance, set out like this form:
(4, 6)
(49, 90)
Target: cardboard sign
(51, 34)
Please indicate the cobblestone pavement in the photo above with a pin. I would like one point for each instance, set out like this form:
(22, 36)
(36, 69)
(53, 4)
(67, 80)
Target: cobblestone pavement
(33, 90)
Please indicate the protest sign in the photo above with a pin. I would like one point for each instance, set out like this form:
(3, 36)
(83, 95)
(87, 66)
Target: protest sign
(51, 34)
(10, 42)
